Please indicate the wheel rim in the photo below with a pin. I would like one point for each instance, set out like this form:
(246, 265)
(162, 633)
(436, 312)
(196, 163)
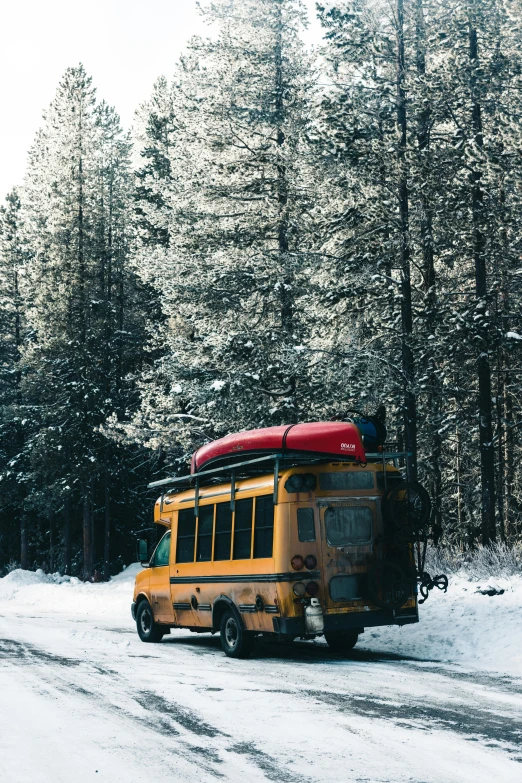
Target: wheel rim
(231, 632)
(146, 621)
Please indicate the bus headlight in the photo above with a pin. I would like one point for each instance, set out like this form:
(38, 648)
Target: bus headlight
(299, 589)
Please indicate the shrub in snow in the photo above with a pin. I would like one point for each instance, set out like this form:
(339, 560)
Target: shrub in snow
(483, 562)
(11, 566)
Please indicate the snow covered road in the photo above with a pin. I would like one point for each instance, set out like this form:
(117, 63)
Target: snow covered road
(85, 701)
(82, 699)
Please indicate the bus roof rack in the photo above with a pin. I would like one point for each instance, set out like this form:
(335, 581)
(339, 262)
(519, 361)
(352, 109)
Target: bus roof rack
(230, 471)
(287, 459)
(213, 472)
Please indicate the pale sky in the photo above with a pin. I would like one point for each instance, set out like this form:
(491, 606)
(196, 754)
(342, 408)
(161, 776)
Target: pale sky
(124, 45)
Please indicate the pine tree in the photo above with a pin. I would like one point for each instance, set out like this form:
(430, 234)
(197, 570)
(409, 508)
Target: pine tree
(87, 314)
(236, 192)
(364, 226)
(12, 419)
(459, 78)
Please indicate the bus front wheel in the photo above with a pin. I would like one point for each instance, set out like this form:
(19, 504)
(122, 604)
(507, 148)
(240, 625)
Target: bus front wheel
(148, 630)
(235, 641)
(342, 641)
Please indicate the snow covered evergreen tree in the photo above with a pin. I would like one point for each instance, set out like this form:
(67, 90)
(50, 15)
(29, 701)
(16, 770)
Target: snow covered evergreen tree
(85, 316)
(227, 188)
(459, 76)
(13, 419)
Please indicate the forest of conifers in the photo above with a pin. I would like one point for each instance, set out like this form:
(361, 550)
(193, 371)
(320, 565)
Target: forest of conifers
(284, 235)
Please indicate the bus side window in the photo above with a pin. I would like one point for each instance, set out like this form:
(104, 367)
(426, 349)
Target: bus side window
(243, 529)
(305, 524)
(223, 538)
(264, 526)
(186, 536)
(205, 525)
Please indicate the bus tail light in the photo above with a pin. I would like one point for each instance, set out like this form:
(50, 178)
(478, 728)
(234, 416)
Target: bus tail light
(297, 562)
(312, 588)
(310, 562)
(299, 589)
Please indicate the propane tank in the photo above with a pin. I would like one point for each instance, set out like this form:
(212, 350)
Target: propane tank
(314, 620)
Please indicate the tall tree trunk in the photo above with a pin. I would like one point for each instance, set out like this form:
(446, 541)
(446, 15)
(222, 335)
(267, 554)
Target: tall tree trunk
(67, 535)
(487, 452)
(429, 281)
(504, 436)
(286, 289)
(121, 345)
(459, 482)
(408, 365)
(18, 336)
(82, 315)
(87, 532)
(107, 528)
(106, 275)
(509, 461)
(501, 391)
(24, 543)
(51, 544)
(81, 257)
(93, 538)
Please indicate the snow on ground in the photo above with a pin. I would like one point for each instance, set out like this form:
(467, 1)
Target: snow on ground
(463, 626)
(83, 699)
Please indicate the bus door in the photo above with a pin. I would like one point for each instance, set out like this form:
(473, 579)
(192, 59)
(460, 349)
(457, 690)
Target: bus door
(160, 582)
(189, 598)
(348, 531)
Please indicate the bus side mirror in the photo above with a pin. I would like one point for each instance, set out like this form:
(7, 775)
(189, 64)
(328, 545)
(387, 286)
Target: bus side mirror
(142, 551)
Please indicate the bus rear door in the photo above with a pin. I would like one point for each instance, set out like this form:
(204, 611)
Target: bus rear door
(348, 530)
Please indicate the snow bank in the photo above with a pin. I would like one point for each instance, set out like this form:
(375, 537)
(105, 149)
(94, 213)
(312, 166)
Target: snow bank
(465, 626)
(54, 593)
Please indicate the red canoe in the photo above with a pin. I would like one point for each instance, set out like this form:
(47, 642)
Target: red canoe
(333, 438)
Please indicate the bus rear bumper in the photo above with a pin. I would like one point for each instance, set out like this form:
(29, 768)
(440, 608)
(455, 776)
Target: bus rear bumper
(294, 626)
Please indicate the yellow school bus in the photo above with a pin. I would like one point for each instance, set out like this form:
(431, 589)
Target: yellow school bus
(304, 551)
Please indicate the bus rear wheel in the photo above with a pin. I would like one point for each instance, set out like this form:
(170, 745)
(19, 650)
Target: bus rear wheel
(148, 630)
(341, 641)
(235, 641)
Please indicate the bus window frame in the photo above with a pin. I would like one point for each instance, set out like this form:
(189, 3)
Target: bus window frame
(229, 558)
(186, 562)
(253, 499)
(254, 514)
(201, 507)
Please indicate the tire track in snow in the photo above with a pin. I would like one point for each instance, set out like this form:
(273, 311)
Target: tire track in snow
(504, 730)
(165, 717)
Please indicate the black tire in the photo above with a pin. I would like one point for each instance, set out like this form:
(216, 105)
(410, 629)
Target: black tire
(148, 629)
(341, 641)
(235, 641)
